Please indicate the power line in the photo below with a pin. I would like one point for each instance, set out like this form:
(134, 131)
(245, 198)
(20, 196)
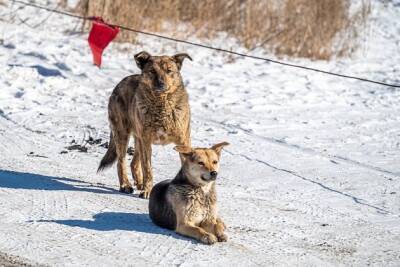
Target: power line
(210, 47)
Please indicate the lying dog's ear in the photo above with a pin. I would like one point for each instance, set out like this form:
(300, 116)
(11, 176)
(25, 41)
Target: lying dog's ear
(178, 58)
(142, 58)
(184, 150)
(218, 147)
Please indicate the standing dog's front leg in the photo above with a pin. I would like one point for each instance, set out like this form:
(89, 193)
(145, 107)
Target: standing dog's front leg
(184, 140)
(145, 156)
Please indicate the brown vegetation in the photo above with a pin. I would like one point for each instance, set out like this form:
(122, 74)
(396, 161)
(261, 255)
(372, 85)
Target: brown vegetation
(316, 29)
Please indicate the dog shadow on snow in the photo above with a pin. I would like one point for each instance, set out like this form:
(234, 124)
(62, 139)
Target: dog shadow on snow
(110, 221)
(104, 221)
(31, 181)
(122, 221)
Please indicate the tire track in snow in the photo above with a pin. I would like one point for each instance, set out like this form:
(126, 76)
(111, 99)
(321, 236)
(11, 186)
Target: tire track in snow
(293, 173)
(9, 145)
(307, 150)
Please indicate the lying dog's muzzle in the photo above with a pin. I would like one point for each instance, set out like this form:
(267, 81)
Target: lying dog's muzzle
(212, 177)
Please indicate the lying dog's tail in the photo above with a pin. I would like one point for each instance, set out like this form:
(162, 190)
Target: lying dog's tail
(110, 156)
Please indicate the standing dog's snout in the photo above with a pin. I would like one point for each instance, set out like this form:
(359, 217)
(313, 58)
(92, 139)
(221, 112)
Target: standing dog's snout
(160, 85)
(213, 174)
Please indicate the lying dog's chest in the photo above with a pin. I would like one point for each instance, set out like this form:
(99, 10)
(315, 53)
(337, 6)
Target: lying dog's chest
(200, 208)
(199, 213)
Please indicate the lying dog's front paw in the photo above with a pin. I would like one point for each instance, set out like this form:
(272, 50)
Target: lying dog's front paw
(222, 237)
(145, 194)
(127, 189)
(209, 239)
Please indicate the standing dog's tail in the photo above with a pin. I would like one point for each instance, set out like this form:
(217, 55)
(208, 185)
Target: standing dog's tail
(110, 156)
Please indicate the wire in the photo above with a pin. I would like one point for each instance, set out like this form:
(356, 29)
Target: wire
(211, 47)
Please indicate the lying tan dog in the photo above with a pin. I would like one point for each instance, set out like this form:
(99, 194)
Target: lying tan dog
(188, 203)
(154, 108)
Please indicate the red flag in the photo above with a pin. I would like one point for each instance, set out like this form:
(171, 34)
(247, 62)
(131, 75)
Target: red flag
(100, 36)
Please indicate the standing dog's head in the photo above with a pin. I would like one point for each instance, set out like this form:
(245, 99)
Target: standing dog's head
(201, 164)
(162, 73)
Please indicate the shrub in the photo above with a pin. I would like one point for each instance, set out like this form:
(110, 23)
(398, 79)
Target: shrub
(317, 29)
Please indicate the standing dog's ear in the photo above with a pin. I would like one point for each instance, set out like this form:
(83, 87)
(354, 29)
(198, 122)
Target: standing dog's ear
(178, 58)
(186, 151)
(142, 58)
(218, 147)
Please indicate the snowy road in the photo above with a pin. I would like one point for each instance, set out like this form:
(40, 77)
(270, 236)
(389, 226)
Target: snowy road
(312, 176)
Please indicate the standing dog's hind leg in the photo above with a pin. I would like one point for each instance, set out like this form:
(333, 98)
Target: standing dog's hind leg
(136, 167)
(121, 140)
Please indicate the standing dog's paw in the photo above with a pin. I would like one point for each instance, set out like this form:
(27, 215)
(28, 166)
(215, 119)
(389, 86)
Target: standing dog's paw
(145, 194)
(222, 237)
(139, 187)
(209, 239)
(127, 189)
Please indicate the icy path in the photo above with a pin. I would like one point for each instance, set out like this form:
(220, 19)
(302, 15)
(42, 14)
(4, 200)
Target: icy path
(312, 176)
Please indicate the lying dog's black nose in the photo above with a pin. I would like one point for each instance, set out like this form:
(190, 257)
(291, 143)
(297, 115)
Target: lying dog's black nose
(213, 174)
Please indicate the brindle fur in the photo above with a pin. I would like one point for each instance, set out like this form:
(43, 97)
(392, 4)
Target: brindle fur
(154, 108)
(188, 203)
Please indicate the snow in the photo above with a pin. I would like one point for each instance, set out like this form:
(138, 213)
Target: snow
(312, 176)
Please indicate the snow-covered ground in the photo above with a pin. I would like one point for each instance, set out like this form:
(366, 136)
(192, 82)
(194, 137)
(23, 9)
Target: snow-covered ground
(312, 176)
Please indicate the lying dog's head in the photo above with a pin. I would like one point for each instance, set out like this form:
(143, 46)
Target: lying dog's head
(201, 164)
(162, 73)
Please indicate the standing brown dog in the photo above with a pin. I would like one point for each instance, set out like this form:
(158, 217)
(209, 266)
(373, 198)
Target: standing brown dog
(154, 108)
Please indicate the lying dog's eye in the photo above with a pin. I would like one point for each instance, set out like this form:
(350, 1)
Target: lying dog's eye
(170, 71)
(215, 162)
(201, 163)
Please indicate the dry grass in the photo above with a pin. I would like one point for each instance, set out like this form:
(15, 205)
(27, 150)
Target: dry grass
(317, 29)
